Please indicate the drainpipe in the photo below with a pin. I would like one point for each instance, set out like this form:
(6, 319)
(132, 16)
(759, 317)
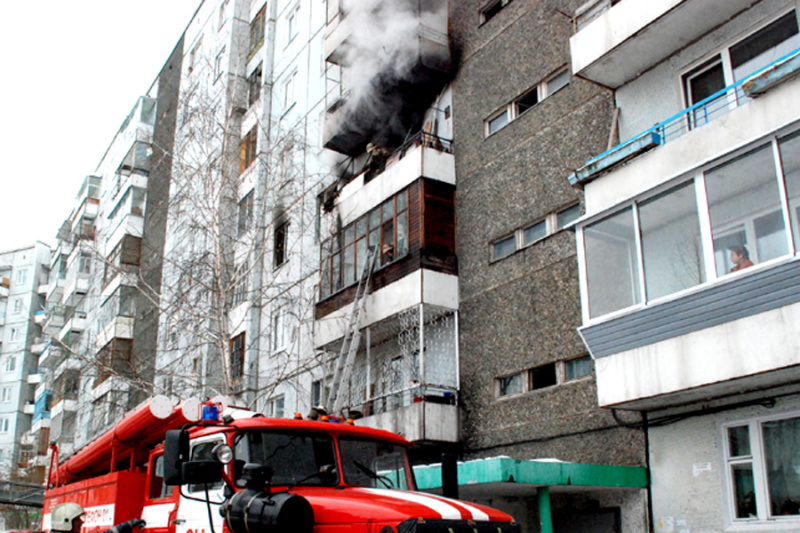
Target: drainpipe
(545, 517)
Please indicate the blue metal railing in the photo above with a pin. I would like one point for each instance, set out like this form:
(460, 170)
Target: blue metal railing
(698, 114)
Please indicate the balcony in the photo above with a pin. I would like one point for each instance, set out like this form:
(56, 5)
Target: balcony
(77, 285)
(119, 327)
(39, 345)
(51, 356)
(632, 36)
(689, 267)
(76, 323)
(35, 377)
(28, 408)
(742, 112)
(392, 387)
(39, 425)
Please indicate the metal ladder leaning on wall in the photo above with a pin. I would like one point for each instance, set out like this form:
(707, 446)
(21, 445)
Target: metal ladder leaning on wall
(352, 336)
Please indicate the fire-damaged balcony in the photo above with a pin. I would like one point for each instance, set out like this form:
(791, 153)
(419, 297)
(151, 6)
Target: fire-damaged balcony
(378, 91)
(411, 306)
(631, 36)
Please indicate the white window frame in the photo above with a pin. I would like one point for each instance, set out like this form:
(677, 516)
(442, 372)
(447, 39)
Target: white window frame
(218, 60)
(551, 228)
(13, 335)
(18, 305)
(292, 24)
(11, 364)
(289, 86)
(5, 395)
(22, 275)
(511, 110)
(5, 424)
(280, 330)
(757, 459)
(274, 411)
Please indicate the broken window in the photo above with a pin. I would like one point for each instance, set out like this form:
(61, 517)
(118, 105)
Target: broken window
(542, 376)
(254, 85)
(237, 356)
(280, 241)
(527, 100)
(492, 8)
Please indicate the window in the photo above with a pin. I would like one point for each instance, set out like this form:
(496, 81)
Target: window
(158, 489)
(542, 376)
(222, 15)
(218, 64)
(257, 31)
(85, 263)
(18, 306)
(384, 228)
(22, 275)
(5, 394)
(509, 385)
(522, 237)
(316, 393)
(254, 85)
(577, 368)
(5, 423)
(204, 451)
(526, 101)
(248, 149)
(240, 283)
(288, 90)
(292, 21)
(245, 213)
(13, 335)
(761, 459)
(194, 55)
(279, 330)
(738, 61)
(276, 407)
(491, 9)
(280, 240)
(237, 356)
(723, 220)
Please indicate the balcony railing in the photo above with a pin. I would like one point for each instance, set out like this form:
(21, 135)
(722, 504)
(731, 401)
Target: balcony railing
(693, 117)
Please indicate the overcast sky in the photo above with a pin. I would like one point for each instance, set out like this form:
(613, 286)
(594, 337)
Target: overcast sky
(72, 71)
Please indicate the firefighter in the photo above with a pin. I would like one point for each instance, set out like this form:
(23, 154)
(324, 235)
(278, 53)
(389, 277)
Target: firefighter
(67, 518)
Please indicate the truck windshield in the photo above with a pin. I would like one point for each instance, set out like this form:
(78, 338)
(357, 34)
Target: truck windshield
(295, 458)
(374, 463)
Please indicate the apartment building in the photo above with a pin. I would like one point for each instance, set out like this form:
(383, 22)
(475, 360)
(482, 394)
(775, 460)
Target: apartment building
(96, 354)
(22, 272)
(687, 251)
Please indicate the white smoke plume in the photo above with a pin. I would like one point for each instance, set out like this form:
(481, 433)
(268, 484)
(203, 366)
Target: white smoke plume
(396, 59)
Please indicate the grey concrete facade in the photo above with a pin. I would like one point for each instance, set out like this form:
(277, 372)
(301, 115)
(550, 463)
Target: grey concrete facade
(521, 311)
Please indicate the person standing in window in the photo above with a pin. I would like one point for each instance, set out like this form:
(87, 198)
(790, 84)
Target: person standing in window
(740, 258)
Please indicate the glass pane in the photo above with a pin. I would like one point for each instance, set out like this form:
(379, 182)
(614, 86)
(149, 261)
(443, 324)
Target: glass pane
(498, 122)
(361, 255)
(504, 248)
(744, 494)
(349, 265)
(578, 368)
(375, 218)
(387, 211)
(611, 264)
(349, 233)
(765, 46)
(336, 262)
(739, 441)
(568, 215)
(790, 158)
(740, 194)
(557, 82)
(375, 238)
(782, 457)
(361, 227)
(402, 201)
(534, 233)
(510, 385)
(673, 254)
(402, 234)
(387, 250)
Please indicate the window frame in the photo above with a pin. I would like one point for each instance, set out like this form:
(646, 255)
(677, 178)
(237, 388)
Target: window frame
(238, 349)
(552, 227)
(757, 458)
(512, 110)
(248, 149)
(280, 243)
(218, 60)
(708, 235)
(257, 31)
(245, 213)
(490, 10)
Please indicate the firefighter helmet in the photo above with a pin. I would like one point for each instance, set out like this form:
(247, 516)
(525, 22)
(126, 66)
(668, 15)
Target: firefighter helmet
(64, 514)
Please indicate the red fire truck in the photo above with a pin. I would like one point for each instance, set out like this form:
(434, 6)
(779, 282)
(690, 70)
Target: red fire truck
(198, 469)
